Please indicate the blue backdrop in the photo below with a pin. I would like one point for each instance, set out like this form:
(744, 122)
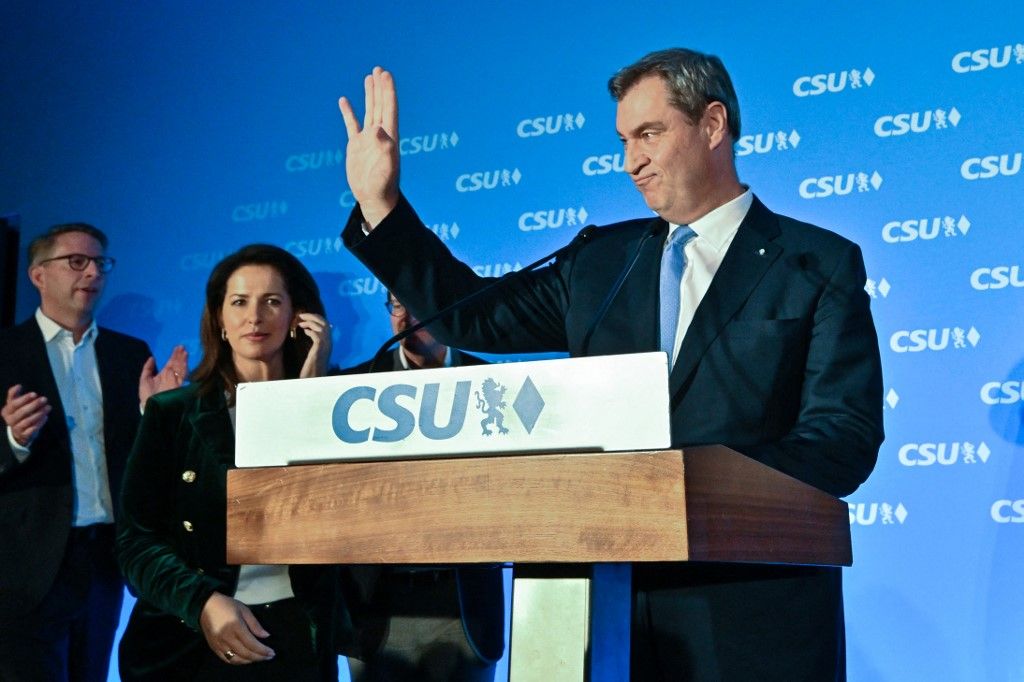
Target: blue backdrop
(188, 129)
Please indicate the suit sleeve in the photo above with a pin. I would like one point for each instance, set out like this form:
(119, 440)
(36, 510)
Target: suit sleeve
(146, 552)
(527, 314)
(9, 458)
(834, 442)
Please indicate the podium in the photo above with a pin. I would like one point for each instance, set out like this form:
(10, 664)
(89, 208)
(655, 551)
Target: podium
(705, 503)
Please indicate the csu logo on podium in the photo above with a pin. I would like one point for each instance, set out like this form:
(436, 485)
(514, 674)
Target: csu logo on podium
(399, 411)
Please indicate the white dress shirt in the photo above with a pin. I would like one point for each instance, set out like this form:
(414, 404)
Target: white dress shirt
(405, 360)
(704, 255)
(78, 384)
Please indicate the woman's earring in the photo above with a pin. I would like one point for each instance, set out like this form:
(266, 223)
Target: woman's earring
(223, 334)
(293, 333)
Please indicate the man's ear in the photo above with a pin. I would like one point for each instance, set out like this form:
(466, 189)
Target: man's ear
(35, 275)
(716, 124)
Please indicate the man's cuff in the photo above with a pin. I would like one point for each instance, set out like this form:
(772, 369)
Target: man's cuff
(20, 451)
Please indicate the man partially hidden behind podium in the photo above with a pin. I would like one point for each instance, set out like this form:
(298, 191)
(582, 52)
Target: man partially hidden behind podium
(765, 321)
(434, 623)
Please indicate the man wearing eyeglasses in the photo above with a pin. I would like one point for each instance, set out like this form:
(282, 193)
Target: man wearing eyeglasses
(419, 350)
(71, 402)
(426, 623)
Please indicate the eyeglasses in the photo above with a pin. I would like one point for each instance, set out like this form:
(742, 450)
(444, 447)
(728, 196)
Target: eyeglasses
(79, 261)
(395, 308)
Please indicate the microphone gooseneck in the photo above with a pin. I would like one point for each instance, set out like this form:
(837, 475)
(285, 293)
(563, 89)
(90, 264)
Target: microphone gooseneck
(581, 236)
(614, 291)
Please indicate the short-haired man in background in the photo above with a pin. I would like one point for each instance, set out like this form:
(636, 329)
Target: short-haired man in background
(72, 393)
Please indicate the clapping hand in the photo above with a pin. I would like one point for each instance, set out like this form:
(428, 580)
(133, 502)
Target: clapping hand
(24, 414)
(171, 376)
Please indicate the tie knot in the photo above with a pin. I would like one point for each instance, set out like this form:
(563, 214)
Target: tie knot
(680, 236)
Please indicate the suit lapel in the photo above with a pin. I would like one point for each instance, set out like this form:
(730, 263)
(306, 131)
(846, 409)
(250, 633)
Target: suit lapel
(113, 376)
(751, 254)
(212, 425)
(37, 368)
(642, 321)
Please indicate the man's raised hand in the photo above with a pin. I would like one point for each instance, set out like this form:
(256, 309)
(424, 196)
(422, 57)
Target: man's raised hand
(371, 157)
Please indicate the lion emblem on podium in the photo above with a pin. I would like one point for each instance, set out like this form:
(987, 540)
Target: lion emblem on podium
(491, 403)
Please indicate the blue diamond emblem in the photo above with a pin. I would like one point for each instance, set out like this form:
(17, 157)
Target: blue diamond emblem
(528, 405)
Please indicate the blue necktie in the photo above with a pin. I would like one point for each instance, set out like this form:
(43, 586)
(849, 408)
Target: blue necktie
(673, 262)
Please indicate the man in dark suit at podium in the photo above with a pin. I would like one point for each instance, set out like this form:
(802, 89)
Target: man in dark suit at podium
(771, 345)
(434, 623)
(72, 392)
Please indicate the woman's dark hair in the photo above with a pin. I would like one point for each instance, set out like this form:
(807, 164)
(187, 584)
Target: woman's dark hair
(216, 371)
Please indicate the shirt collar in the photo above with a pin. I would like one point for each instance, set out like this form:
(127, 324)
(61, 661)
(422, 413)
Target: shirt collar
(718, 226)
(51, 329)
(405, 360)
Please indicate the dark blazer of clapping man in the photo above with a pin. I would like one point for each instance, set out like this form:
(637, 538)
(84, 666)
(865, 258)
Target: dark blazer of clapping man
(426, 623)
(767, 327)
(71, 406)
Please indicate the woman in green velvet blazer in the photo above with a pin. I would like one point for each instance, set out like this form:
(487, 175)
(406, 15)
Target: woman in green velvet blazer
(197, 617)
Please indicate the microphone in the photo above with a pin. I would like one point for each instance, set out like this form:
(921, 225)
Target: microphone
(580, 237)
(614, 291)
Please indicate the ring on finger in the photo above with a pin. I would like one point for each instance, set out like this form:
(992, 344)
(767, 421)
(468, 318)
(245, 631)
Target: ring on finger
(229, 654)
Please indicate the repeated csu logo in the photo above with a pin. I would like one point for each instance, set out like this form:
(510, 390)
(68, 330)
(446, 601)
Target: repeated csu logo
(422, 144)
(877, 288)
(359, 286)
(891, 399)
(997, 277)
(917, 122)
(603, 164)
(870, 513)
(821, 83)
(265, 210)
(840, 185)
(316, 246)
(333, 158)
(418, 411)
(325, 158)
(986, 167)
(1002, 392)
(369, 285)
(1008, 511)
(764, 143)
(552, 218)
(925, 229)
(943, 454)
(502, 177)
(550, 125)
(987, 57)
(204, 260)
(918, 340)
(445, 231)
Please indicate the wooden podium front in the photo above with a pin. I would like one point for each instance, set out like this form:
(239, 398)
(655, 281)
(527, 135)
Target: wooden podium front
(706, 503)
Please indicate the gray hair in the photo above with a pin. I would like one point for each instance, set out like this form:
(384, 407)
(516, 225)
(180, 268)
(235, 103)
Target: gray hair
(694, 81)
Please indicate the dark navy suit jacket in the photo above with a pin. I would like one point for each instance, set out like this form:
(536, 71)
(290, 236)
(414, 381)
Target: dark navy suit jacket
(37, 495)
(781, 363)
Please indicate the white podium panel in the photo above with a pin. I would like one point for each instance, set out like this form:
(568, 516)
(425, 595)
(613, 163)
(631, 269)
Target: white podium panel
(608, 403)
